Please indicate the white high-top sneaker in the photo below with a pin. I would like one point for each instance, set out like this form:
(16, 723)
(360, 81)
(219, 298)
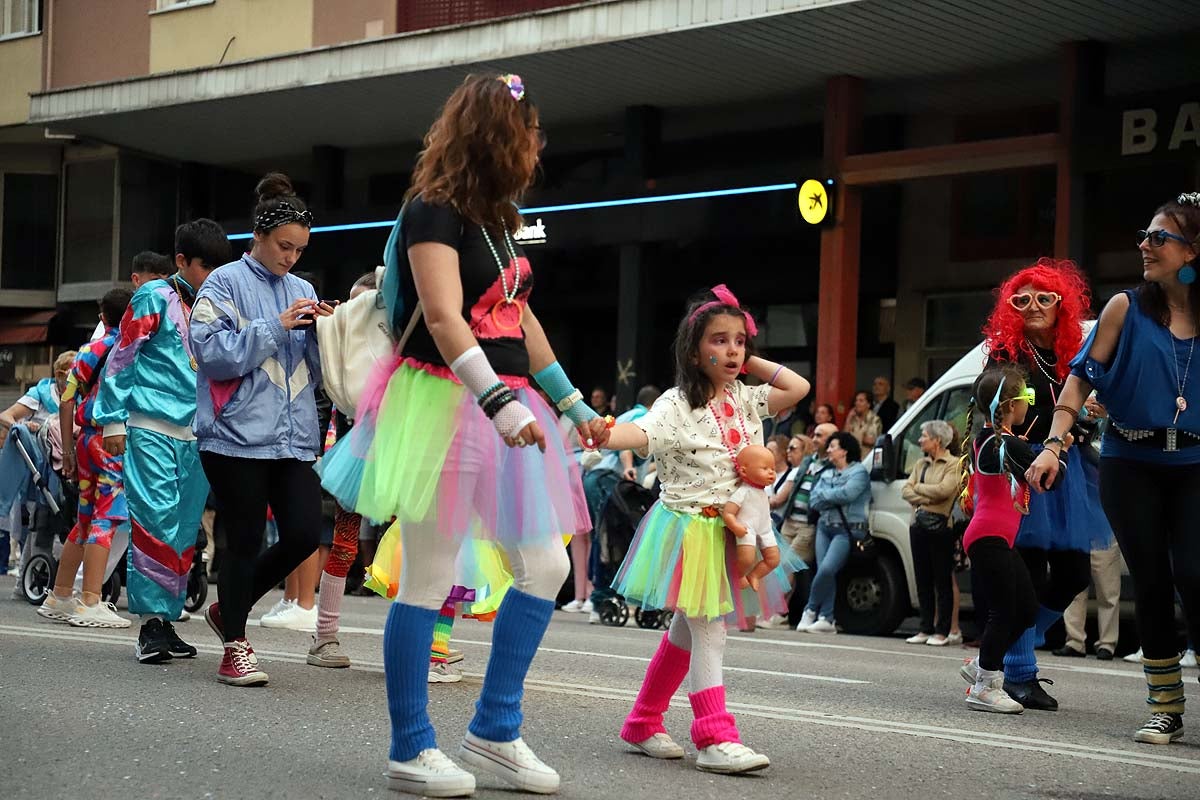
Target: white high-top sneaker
(430, 774)
(513, 761)
(730, 758)
(806, 621)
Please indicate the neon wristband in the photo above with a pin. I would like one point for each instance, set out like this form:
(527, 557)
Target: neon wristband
(554, 380)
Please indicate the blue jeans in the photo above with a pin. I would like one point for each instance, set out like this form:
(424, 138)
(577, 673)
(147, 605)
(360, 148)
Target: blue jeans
(833, 549)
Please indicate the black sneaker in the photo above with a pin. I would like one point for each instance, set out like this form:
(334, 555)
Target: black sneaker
(1161, 729)
(154, 642)
(178, 647)
(1031, 694)
(1066, 651)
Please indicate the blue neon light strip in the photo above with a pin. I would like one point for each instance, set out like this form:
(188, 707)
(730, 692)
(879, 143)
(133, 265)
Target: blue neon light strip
(630, 201)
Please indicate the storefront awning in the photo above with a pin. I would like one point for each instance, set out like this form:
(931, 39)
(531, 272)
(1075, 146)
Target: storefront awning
(28, 329)
(589, 62)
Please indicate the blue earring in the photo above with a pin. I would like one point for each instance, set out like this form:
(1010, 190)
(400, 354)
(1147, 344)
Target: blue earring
(1186, 275)
(713, 359)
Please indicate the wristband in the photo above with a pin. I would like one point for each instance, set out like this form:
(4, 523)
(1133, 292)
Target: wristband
(1058, 440)
(776, 375)
(559, 387)
(495, 387)
(574, 397)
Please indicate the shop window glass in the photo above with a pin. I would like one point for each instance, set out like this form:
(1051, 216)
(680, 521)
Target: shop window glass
(29, 237)
(88, 222)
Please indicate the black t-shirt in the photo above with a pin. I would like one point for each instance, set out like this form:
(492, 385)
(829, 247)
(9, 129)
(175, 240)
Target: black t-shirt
(495, 323)
(1047, 392)
(1018, 456)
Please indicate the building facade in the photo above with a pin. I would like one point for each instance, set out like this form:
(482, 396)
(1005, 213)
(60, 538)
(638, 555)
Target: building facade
(958, 141)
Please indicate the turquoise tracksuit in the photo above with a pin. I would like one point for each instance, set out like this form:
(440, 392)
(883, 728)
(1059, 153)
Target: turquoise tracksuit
(149, 394)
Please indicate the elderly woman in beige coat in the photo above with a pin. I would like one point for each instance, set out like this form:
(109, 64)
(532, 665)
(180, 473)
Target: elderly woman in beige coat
(931, 490)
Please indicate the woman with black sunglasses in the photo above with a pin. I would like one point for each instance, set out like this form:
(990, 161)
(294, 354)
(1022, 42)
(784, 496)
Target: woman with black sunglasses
(1038, 324)
(1139, 358)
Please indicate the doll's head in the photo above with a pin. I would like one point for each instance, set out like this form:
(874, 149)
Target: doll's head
(756, 465)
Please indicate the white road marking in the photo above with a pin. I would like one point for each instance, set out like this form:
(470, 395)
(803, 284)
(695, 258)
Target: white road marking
(1147, 757)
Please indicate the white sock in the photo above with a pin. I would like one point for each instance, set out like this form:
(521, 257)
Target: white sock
(985, 678)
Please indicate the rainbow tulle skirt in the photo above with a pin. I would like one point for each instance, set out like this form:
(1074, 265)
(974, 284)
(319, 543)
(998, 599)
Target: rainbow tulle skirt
(685, 562)
(423, 451)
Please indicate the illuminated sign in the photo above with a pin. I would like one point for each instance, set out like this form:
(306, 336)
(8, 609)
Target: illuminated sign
(532, 234)
(816, 201)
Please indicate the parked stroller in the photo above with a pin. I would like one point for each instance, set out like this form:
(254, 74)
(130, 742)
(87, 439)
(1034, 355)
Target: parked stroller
(55, 510)
(619, 520)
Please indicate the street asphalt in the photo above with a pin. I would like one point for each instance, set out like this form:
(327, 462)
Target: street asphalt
(840, 716)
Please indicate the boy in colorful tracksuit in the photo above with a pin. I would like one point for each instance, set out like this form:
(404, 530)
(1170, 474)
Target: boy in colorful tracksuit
(146, 404)
(102, 507)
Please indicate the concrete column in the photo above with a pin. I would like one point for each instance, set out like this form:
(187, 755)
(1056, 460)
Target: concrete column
(1081, 90)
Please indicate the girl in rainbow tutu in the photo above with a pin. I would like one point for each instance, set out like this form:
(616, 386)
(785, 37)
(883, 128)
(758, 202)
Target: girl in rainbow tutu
(682, 558)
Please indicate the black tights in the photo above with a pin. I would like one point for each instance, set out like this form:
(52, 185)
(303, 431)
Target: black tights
(933, 568)
(1057, 575)
(1154, 510)
(1000, 574)
(244, 487)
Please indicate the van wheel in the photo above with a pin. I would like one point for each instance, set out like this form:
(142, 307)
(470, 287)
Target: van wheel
(872, 596)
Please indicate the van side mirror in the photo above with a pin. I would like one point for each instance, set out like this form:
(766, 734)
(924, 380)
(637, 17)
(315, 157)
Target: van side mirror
(883, 459)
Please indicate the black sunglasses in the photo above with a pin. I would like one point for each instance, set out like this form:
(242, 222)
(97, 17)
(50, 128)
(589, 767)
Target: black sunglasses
(1158, 238)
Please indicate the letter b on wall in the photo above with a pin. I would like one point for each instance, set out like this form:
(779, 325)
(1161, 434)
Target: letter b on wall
(1137, 131)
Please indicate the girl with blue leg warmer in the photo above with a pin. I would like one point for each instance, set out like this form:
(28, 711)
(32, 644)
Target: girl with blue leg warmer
(1037, 324)
(452, 441)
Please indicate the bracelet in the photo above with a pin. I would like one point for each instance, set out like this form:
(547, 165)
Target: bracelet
(1060, 407)
(1058, 440)
(574, 397)
(776, 375)
(498, 401)
(609, 421)
(495, 387)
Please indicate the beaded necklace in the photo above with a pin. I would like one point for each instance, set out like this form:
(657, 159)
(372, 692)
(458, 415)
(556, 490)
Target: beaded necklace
(509, 298)
(731, 437)
(1043, 365)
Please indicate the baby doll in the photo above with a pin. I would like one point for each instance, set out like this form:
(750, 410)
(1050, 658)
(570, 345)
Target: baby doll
(748, 515)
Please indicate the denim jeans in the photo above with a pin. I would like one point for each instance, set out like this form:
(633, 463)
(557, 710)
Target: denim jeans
(833, 549)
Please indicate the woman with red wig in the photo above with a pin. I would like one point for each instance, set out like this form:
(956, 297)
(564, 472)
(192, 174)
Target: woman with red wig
(1038, 324)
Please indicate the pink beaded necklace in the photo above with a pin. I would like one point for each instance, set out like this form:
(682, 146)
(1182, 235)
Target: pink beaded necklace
(731, 437)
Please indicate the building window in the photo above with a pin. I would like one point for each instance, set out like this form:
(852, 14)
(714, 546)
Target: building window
(20, 17)
(171, 5)
(29, 236)
(88, 221)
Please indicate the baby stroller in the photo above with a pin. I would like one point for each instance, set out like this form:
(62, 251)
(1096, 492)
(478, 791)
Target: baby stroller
(55, 509)
(619, 520)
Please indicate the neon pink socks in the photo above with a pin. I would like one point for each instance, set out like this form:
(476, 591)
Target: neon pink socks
(666, 672)
(713, 724)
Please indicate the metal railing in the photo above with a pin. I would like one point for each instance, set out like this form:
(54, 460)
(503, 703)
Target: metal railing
(415, 15)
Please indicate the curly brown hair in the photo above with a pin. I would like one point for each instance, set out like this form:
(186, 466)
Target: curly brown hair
(480, 154)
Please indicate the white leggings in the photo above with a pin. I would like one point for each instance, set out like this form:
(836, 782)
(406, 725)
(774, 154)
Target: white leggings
(428, 570)
(705, 640)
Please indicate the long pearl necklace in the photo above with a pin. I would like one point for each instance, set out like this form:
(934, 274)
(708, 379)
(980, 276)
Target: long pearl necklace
(509, 298)
(1045, 367)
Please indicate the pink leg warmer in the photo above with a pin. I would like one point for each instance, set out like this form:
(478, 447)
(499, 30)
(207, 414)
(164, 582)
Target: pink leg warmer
(329, 606)
(666, 672)
(713, 724)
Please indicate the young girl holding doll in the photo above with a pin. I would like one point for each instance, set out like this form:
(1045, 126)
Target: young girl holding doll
(1001, 498)
(681, 556)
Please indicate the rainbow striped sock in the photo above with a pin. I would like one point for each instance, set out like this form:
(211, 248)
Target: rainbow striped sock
(440, 650)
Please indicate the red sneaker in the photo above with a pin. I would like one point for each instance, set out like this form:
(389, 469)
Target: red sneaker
(239, 667)
(212, 615)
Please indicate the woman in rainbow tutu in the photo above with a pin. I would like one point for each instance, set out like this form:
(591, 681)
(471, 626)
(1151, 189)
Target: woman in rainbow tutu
(452, 441)
(681, 558)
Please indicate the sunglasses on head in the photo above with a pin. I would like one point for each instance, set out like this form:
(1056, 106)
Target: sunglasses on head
(1158, 238)
(1025, 300)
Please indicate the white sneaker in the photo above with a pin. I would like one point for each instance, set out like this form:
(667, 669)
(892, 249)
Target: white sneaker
(594, 618)
(587, 607)
(937, 640)
(441, 672)
(1189, 659)
(1134, 658)
(58, 608)
(919, 638)
(513, 761)
(430, 774)
(296, 618)
(777, 621)
(184, 616)
(454, 656)
(822, 625)
(730, 758)
(327, 654)
(660, 745)
(993, 698)
(271, 618)
(969, 671)
(954, 638)
(573, 607)
(806, 621)
(101, 615)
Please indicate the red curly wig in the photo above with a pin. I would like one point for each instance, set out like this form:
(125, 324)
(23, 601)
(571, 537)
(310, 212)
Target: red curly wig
(1004, 331)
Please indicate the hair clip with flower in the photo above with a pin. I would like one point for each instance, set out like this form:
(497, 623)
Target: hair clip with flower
(516, 87)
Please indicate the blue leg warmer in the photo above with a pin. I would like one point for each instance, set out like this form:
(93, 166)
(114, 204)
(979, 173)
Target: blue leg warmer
(516, 634)
(407, 638)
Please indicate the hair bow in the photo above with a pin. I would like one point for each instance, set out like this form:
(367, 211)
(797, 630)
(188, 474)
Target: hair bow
(516, 87)
(726, 298)
(1189, 199)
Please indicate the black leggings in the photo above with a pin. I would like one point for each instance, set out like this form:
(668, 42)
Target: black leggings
(933, 568)
(1154, 511)
(1000, 574)
(244, 487)
(1057, 575)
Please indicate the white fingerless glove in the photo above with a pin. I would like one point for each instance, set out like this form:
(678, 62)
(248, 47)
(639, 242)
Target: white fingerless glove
(473, 369)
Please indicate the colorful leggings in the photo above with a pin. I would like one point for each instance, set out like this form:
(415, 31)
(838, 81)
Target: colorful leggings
(440, 650)
(102, 506)
(345, 542)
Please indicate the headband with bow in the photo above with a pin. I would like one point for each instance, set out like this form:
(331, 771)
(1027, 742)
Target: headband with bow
(725, 298)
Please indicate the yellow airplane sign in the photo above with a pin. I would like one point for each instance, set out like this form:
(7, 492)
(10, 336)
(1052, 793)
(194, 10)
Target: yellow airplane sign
(814, 201)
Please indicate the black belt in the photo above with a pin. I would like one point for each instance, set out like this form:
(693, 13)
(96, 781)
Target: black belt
(1169, 440)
